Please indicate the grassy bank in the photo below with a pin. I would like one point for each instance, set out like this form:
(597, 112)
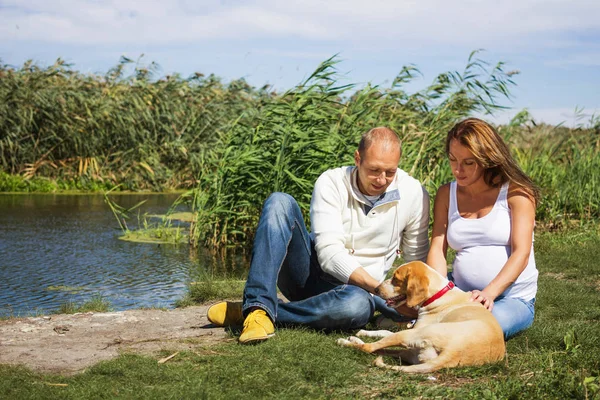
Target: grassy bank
(557, 358)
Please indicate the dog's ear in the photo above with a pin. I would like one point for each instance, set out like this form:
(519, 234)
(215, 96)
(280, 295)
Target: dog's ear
(417, 287)
(400, 274)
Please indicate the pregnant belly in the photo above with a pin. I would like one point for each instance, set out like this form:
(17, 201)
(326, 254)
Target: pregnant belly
(475, 267)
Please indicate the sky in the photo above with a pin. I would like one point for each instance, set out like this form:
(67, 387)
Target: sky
(554, 44)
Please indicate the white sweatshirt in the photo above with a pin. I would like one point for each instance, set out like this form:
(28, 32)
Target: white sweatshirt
(348, 233)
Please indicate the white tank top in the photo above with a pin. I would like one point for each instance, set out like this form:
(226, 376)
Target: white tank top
(483, 246)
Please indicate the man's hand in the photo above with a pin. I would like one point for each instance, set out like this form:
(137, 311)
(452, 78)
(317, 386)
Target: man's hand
(361, 278)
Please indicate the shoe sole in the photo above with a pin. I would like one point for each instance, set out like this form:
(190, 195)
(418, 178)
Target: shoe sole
(256, 340)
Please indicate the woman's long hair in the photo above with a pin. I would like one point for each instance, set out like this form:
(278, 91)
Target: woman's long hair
(492, 154)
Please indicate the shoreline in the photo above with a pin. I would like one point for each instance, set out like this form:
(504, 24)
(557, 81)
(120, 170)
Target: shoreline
(71, 343)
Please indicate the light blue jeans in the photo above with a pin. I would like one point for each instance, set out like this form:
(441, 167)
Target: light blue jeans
(514, 315)
(283, 256)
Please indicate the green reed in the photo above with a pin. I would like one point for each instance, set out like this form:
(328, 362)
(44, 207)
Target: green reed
(294, 137)
(134, 130)
(231, 145)
(564, 163)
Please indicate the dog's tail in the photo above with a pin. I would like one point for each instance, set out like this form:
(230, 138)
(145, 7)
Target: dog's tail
(442, 361)
(381, 364)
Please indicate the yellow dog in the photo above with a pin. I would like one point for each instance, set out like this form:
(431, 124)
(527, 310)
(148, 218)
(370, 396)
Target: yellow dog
(450, 331)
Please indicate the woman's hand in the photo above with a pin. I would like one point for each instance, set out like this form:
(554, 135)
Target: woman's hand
(480, 296)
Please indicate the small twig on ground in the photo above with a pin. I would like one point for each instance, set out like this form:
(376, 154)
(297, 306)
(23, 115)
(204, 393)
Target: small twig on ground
(164, 360)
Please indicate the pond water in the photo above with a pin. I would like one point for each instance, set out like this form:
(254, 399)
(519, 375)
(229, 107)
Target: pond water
(57, 248)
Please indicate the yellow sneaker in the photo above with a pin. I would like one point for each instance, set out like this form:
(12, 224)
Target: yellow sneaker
(226, 313)
(257, 327)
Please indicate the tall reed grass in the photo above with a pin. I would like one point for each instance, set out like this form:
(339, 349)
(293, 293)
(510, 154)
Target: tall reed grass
(564, 162)
(317, 125)
(134, 130)
(232, 144)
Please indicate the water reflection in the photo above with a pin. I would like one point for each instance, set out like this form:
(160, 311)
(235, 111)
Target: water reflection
(60, 248)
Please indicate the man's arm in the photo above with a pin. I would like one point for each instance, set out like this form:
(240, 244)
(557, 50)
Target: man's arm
(327, 226)
(363, 279)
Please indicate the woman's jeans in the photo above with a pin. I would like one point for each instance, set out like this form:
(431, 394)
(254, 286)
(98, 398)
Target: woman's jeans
(514, 315)
(283, 256)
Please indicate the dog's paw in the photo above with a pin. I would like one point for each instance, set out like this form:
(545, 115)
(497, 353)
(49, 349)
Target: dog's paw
(373, 334)
(355, 340)
(351, 341)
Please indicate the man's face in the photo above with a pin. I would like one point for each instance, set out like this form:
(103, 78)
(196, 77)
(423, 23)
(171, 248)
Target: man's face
(377, 168)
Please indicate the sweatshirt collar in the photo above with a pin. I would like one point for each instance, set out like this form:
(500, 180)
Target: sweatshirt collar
(391, 194)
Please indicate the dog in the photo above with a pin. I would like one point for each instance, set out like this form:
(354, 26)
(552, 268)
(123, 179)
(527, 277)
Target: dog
(450, 330)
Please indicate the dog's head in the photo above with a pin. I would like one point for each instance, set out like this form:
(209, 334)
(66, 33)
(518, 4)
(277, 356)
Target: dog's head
(409, 284)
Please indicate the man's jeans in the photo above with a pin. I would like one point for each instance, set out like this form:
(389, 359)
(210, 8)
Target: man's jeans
(284, 256)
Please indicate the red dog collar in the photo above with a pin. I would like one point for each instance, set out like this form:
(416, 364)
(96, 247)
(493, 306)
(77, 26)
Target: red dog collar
(439, 294)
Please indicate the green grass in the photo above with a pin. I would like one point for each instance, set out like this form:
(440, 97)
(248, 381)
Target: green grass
(210, 289)
(160, 234)
(317, 125)
(557, 358)
(17, 183)
(96, 304)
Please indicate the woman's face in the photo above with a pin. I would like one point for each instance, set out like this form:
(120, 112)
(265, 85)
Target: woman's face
(464, 165)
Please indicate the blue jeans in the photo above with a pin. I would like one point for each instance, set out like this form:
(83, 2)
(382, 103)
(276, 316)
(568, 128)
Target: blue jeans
(283, 256)
(514, 315)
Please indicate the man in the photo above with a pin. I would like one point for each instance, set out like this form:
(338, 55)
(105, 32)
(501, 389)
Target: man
(362, 217)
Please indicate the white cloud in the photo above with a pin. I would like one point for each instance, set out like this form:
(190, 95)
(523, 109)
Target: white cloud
(108, 22)
(567, 116)
(570, 117)
(468, 23)
(282, 41)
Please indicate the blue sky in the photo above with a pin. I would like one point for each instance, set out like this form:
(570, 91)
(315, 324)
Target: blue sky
(555, 44)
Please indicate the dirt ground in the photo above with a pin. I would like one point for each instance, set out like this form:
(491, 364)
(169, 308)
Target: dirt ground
(68, 344)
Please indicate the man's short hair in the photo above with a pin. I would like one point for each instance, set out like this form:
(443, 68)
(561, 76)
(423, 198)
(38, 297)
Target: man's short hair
(382, 134)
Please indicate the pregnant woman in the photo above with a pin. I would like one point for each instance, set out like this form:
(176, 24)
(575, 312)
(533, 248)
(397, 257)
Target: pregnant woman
(487, 216)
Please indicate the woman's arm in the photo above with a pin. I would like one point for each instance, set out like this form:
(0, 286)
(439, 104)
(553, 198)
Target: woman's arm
(522, 208)
(439, 244)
